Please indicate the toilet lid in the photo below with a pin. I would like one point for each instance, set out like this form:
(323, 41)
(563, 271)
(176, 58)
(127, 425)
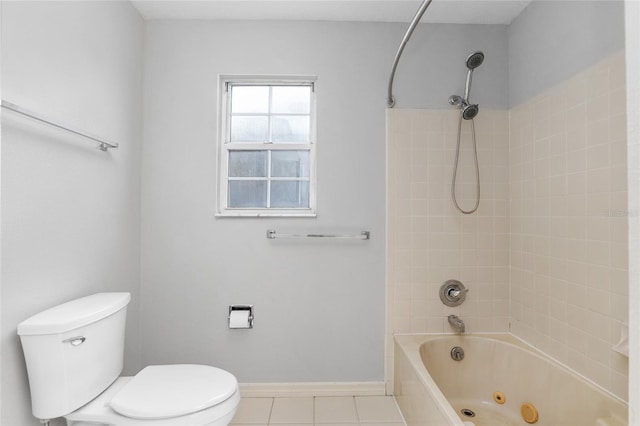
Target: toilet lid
(164, 391)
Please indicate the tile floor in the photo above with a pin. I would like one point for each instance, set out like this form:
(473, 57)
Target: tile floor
(325, 410)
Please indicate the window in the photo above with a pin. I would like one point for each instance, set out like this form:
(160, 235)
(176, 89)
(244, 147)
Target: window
(267, 147)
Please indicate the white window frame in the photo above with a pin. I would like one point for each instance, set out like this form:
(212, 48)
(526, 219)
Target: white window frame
(225, 145)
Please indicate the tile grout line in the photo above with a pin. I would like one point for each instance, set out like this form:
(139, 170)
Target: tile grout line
(273, 401)
(314, 422)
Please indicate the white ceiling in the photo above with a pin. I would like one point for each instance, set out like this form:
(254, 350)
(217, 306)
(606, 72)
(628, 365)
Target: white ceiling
(440, 11)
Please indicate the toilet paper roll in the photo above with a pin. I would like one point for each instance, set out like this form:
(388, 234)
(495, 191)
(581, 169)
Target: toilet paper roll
(239, 319)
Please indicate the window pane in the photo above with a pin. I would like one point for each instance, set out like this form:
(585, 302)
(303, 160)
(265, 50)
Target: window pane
(249, 129)
(290, 194)
(247, 193)
(289, 128)
(247, 163)
(249, 99)
(290, 163)
(291, 99)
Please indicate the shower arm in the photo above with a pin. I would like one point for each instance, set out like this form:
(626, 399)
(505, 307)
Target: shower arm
(391, 101)
(467, 86)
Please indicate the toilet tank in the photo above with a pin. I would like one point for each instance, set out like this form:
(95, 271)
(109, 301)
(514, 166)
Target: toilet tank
(73, 352)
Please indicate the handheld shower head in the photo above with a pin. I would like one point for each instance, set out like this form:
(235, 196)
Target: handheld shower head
(475, 60)
(469, 110)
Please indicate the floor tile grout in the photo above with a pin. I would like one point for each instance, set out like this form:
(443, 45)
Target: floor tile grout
(394, 415)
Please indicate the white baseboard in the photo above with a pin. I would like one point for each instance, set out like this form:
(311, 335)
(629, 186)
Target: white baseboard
(269, 390)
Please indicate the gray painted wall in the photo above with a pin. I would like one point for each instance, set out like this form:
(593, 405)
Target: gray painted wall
(432, 66)
(551, 41)
(70, 213)
(319, 304)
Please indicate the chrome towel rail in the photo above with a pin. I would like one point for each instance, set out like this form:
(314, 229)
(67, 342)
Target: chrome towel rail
(391, 101)
(102, 144)
(363, 235)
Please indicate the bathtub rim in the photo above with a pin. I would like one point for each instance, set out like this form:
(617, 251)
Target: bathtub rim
(411, 343)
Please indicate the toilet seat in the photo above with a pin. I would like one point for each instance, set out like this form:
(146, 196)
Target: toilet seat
(165, 391)
(99, 410)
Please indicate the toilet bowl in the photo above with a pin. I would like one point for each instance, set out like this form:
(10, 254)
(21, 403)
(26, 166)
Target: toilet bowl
(164, 395)
(74, 354)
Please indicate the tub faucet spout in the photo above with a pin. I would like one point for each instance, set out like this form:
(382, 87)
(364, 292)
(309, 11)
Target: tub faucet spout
(457, 323)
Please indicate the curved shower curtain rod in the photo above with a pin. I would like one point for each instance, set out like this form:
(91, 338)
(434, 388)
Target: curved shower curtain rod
(391, 101)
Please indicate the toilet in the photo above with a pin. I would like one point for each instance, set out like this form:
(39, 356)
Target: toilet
(74, 354)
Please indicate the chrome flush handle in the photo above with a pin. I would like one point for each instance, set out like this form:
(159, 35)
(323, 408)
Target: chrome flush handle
(75, 341)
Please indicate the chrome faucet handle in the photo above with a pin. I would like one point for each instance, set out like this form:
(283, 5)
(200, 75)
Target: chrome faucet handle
(453, 293)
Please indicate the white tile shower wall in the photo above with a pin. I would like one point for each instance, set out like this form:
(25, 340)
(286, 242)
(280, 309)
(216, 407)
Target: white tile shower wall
(429, 241)
(568, 204)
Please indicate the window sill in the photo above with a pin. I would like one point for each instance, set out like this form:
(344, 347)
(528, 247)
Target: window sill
(232, 214)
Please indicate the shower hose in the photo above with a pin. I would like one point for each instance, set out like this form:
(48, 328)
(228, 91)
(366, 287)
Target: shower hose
(455, 168)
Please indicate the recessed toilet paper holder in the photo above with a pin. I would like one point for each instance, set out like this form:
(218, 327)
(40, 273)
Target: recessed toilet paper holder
(241, 309)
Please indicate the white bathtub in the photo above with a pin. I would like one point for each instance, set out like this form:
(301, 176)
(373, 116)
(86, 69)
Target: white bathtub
(432, 389)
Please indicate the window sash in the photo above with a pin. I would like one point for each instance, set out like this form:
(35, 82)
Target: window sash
(228, 114)
(226, 210)
(268, 179)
